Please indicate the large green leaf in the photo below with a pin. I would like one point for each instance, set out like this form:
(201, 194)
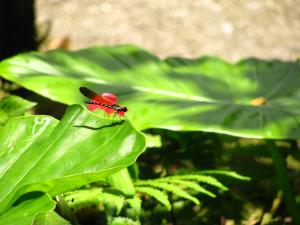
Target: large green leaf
(206, 94)
(39, 153)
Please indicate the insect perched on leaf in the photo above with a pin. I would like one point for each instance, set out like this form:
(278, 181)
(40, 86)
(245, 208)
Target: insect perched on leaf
(105, 101)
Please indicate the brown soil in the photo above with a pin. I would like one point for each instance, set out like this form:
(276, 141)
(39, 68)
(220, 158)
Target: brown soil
(231, 29)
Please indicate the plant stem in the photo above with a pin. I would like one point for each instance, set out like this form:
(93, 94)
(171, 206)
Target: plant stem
(284, 182)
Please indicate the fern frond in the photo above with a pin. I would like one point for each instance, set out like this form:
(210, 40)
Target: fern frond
(178, 184)
(82, 198)
(114, 200)
(203, 179)
(225, 173)
(187, 184)
(159, 195)
(169, 188)
(136, 205)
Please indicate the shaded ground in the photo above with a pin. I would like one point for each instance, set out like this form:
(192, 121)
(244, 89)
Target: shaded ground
(232, 29)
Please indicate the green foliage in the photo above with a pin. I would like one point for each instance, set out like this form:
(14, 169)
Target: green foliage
(158, 195)
(231, 174)
(179, 185)
(27, 210)
(136, 206)
(50, 218)
(41, 157)
(39, 153)
(199, 178)
(113, 202)
(123, 221)
(169, 188)
(122, 181)
(185, 186)
(91, 197)
(252, 98)
(11, 106)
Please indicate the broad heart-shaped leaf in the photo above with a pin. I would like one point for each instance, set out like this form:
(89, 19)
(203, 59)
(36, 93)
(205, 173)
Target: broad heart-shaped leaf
(39, 153)
(205, 94)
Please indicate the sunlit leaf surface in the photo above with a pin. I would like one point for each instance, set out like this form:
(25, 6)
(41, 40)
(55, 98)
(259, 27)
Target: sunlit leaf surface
(252, 98)
(39, 153)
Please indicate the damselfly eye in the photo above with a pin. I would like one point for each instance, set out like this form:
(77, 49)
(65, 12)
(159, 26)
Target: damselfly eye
(125, 109)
